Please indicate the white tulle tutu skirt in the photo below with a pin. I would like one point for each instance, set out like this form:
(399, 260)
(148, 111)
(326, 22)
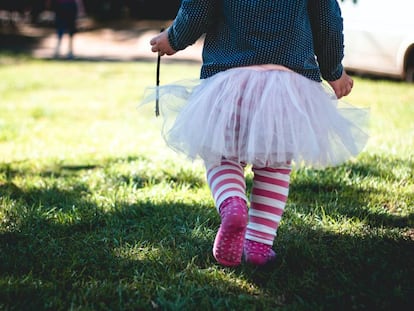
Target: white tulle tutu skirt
(260, 117)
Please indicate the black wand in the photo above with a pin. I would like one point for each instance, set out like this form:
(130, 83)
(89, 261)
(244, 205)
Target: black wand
(157, 98)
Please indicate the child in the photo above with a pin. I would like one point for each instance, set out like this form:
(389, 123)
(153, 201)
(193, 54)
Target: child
(66, 14)
(260, 101)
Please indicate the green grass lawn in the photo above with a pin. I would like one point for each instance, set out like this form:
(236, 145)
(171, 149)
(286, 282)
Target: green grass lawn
(96, 213)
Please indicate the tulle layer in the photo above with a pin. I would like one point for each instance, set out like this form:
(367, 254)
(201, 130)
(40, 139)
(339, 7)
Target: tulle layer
(260, 117)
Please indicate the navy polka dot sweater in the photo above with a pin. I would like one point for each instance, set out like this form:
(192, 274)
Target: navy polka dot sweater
(303, 35)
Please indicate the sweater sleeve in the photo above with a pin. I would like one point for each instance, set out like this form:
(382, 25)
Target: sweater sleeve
(327, 28)
(192, 20)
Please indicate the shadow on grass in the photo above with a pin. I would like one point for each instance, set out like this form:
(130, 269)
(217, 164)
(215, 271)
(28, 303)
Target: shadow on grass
(60, 247)
(57, 238)
(18, 43)
(339, 191)
(345, 191)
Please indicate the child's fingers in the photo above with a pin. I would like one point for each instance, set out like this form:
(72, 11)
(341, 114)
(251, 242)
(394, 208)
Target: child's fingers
(159, 44)
(343, 91)
(342, 86)
(154, 40)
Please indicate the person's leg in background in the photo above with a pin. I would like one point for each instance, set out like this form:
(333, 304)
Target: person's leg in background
(228, 187)
(66, 16)
(60, 30)
(268, 200)
(71, 13)
(70, 48)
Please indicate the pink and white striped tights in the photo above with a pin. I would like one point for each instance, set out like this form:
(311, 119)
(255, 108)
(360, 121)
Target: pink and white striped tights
(247, 231)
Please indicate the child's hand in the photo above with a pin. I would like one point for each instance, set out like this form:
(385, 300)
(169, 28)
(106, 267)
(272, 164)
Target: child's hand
(161, 44)
(342, 86)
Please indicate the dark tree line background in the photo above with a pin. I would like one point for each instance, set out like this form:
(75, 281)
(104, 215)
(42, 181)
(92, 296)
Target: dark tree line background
(103, 9)
(140, 9)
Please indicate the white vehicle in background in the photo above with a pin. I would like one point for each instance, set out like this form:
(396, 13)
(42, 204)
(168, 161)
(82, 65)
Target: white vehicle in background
(379, 37)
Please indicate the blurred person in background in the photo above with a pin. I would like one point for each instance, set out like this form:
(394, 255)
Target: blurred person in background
(66, 14)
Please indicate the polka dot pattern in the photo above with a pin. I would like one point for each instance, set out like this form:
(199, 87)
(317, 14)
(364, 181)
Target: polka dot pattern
(303, 35)
(228, 244)
(257, 253)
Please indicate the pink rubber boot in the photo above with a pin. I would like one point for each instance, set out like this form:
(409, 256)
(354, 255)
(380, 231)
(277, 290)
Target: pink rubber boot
(257, 253)
(228, 245)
